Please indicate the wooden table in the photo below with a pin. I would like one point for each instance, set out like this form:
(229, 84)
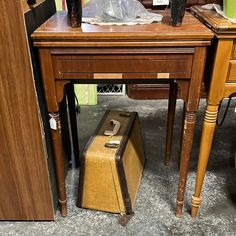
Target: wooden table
(222, 67)
(123, 54)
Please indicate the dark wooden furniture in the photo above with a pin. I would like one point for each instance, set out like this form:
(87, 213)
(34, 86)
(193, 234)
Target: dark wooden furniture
(222, 85)
(157, 91)
(27, 190)
(155, 53)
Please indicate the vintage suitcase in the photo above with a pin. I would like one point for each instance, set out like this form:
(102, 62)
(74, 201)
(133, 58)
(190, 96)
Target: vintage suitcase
(112, 164)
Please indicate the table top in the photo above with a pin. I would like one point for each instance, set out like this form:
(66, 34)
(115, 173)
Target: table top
(214, 21)
(57, 28)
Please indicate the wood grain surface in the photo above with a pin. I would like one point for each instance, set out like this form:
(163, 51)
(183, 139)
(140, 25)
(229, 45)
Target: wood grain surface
(24, 182)
(57, 28)
(213, 20)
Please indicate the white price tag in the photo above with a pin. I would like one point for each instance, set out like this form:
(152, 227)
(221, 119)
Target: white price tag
(160, 2)
(53, 123)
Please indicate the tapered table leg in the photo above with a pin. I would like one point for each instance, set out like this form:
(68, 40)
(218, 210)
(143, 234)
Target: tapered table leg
(73, 121)
(187, 139)
(182, 130)
(170, 121)
(55, 125)
(205, 148)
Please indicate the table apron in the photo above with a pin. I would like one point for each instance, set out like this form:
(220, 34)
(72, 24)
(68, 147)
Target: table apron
(146, 66)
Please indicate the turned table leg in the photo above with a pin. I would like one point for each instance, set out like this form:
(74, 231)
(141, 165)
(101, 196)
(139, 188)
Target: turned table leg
(205, 148)
(55, 125)
(54, 93)
(170, 121)
(216, 93)
(187, 140)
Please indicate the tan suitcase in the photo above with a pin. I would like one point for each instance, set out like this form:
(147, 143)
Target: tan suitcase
(112, 165)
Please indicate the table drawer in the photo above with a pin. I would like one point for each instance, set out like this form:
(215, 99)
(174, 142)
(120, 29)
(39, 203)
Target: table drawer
(122, 66)
(232, 71)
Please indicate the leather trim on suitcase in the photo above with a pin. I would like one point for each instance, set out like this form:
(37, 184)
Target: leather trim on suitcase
(119, 165)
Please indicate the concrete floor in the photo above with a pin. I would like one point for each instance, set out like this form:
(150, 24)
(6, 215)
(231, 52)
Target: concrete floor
(155, 205)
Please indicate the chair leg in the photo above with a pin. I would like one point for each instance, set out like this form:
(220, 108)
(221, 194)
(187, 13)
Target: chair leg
(73, 122)
(170, 121)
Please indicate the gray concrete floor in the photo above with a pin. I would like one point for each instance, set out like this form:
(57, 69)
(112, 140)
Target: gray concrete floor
(155, 205)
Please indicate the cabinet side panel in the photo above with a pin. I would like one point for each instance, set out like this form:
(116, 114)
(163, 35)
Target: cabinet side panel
(24, 182)
(33, 19)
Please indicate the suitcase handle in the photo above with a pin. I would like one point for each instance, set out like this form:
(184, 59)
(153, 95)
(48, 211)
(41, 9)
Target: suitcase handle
(115, 129)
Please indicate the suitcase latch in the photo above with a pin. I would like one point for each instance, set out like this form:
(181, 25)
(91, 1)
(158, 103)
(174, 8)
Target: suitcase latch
(112, 144)
(115, 130)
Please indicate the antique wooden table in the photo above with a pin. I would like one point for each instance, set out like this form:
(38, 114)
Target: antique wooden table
(122, 54)
(222, 67)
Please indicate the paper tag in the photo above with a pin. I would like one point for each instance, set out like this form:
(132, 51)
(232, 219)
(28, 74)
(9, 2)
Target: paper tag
(53, 123)
(160, 2)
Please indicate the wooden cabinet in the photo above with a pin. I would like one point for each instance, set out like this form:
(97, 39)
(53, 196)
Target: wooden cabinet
(222, 85)
(26, 181)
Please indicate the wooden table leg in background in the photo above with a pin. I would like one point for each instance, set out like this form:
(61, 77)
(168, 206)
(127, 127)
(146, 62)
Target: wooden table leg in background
(73, 121)
(170, 121)
(182, 131)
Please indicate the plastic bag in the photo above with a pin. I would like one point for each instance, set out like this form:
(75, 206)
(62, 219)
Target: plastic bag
(118, 11)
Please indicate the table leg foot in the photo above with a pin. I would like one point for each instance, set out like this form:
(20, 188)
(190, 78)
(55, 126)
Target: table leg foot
(179, 207)
(187, 139)
(63, 208)
(196, 201)
(167, 160)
